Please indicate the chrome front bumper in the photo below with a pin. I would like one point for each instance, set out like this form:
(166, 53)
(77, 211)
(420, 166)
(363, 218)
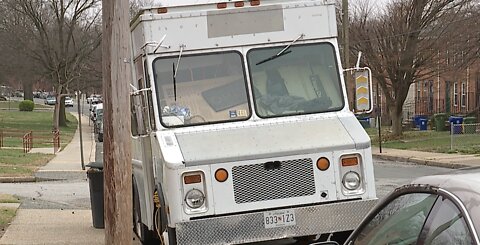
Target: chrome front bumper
(244, 228)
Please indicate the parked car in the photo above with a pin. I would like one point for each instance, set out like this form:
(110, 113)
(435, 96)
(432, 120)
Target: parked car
(100, 130)
(68, 102)
(50, 100)
(94, 99)
(94, 111)
(438, 209)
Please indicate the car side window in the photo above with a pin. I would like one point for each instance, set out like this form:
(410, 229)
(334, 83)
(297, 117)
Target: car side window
(400, 222)
(446, 225)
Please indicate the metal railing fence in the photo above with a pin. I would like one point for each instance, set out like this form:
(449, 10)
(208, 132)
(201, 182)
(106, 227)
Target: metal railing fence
(465, 137)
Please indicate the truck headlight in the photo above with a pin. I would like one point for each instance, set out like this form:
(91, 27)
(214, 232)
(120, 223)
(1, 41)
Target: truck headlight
(194, 198)
(351, 180)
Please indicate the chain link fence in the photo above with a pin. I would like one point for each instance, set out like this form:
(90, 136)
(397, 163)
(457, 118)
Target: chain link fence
(465, 137)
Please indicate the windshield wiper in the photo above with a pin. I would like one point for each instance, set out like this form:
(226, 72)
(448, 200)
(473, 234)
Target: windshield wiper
(284, 51)
(174, 72)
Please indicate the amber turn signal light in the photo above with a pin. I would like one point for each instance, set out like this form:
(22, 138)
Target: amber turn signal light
(323, 163)
(221, 175)
(349, 161)
(192, 179)
(162, 10)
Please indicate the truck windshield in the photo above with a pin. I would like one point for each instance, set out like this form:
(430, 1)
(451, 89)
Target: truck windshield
(207, 88)
(302, 80)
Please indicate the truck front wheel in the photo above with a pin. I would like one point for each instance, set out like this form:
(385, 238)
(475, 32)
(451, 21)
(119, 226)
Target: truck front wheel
(141, 230)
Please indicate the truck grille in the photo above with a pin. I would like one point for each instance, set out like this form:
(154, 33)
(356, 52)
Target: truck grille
(253, 183)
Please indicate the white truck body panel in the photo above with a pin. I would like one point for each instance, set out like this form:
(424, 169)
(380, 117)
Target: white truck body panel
(240, 31)
(233, 210)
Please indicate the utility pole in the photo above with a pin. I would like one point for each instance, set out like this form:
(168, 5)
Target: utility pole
(80, 127)
(346, 48)
(116, 52)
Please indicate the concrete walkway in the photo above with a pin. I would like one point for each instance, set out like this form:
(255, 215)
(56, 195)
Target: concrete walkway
(47, 226)
(428, 158)
(58, 226)
(69, 159)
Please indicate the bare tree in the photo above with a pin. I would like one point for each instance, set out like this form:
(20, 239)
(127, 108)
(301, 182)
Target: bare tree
(16, 66)
(63, 34)
(401, 43)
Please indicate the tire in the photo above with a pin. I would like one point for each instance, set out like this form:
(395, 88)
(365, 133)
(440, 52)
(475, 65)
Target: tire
(305, 240)
(146, 236)
(100, 137)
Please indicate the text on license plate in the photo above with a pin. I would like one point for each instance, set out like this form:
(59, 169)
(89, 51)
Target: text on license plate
(279, 218)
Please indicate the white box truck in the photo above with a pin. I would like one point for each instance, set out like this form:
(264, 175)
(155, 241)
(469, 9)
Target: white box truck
(241, 126)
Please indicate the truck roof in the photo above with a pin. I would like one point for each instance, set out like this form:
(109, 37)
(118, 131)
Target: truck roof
(179, 3)
(200, 25)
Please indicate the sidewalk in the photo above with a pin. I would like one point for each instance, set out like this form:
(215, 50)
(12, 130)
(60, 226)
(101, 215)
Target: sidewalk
(68, 161)
(59, 226)
(428, 158)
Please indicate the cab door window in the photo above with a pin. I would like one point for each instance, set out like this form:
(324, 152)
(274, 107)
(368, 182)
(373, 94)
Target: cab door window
(446, 225)
(400, 222)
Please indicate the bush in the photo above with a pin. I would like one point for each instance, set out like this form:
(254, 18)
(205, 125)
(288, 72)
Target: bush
(26, 105)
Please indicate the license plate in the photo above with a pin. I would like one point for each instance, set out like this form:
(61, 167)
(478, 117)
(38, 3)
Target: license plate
(279, 218)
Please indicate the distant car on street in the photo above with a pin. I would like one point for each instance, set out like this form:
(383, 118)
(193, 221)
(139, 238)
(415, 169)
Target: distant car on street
(94, 99)
(50, 100)
(437, 209)
(68, 102)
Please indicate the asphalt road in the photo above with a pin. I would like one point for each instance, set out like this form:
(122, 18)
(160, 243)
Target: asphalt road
(73, 193)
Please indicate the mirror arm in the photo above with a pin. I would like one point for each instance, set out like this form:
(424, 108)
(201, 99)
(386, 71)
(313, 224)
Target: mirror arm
(138, 91)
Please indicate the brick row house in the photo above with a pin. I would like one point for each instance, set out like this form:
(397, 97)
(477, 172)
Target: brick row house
(455, 92)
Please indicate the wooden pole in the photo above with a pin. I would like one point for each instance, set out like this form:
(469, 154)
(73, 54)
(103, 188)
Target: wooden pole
(116, 147)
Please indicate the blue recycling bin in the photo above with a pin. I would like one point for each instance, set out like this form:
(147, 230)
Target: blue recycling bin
(457, 124)
(365, 122)
(423, 124)
(417, 119)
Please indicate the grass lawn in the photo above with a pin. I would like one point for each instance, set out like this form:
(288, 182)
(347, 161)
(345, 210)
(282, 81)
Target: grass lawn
(6, 214)
(6, 198)
(13, 105)
(15, 163)
(16, 123)
(430, 141)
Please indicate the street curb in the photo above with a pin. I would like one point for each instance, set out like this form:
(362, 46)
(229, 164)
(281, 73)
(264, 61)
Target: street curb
(419, 161)
(17, 179)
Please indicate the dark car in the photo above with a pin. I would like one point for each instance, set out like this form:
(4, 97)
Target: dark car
(99, 125)
(438, 209)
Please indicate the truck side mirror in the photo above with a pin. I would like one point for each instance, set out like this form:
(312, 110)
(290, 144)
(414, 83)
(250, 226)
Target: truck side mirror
(363, 90)
(139, 122)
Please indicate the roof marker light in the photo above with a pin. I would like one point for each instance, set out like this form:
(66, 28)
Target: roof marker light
(254, 2)
(221, 5)
(162, 10)
(239, 4)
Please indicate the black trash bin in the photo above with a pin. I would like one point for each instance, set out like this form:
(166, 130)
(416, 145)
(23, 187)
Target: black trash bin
(95, 181)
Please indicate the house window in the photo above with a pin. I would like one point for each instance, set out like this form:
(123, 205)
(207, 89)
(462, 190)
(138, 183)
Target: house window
(464, 95)
(455, 94)
(447, 58)
(419, 87)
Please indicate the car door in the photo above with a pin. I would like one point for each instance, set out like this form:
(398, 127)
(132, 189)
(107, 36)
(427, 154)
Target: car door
(400, 221)
(446, 224)
(416, 215)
